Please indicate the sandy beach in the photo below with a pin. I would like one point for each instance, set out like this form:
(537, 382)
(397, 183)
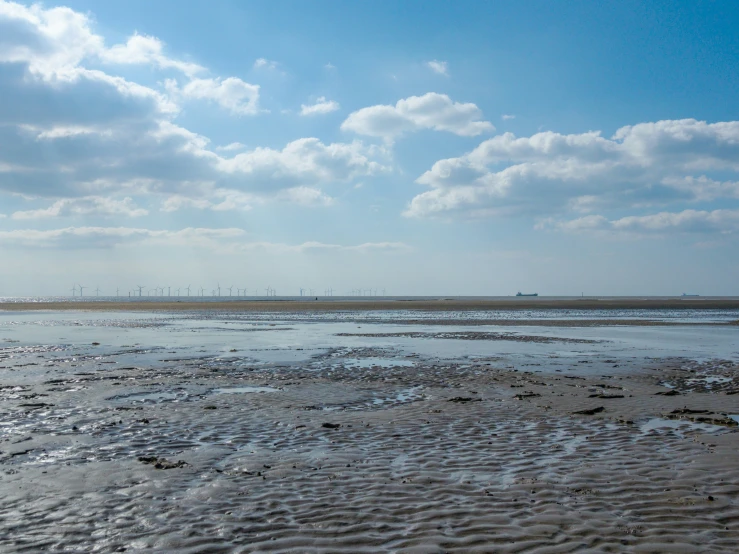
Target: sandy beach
(229, 434)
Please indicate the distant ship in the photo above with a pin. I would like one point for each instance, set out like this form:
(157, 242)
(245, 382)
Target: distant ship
(686, 294)
(531, 294)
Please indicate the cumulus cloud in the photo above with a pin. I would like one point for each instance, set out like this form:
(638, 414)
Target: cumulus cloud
(662, 223)
(306, 161)
(430, 111)
(641, 165)
(141, 49)
(321, 106)
(167, 160)
(54, 45)
(237, 96)
(442, 68)
(73, 135)
(55, 41)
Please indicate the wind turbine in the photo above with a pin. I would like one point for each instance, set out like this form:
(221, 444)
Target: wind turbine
(81, 289)
(169, 291)
(188, 290)
(177, 292)
(140, 287)
(97, 291)
(74, 290)
(230, 290)
(302, 290)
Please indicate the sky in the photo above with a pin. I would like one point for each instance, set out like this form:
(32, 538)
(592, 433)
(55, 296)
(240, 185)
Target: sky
(417, 147)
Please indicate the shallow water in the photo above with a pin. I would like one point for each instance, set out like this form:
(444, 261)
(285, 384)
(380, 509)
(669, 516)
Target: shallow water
(247, 341)
(365, 363)
(158, 396)
(681, 426)
(243, 390)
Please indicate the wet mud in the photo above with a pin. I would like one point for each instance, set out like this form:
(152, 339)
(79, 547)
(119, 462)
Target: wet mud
(154, 443)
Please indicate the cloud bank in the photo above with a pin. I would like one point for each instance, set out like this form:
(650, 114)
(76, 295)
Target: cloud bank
(93, 143)
(651, 164)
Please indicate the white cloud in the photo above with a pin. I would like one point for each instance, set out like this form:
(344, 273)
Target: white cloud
(69, 133)
(224, 239)
(442, 68)
(103, 237)
(306, 196)
(85, 206)
(231, 147)
(170, 161)
(237, 96)
(48, 40)
(641, 165)
(303, 162)
(430, 111)
(262, 63)
(329, 66)
(507, 117)
(660, 224)
(56, 40)
(51, 45)
(141, 49)
(322, 106)
(702, 188)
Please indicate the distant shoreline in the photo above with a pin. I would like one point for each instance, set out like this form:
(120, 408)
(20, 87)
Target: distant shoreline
(324, 305)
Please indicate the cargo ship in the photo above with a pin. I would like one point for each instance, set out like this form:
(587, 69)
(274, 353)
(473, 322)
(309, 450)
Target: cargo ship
(527, 294)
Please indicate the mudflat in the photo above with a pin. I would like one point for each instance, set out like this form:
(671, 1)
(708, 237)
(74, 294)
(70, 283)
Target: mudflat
(230, 433)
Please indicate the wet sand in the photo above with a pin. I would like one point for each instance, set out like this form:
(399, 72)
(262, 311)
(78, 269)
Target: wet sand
(524, 303)
(366, 449)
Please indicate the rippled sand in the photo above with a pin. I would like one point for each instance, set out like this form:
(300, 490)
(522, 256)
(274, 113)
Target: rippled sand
(364, 450)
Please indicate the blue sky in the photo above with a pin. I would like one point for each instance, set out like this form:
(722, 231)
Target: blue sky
(421, 147)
